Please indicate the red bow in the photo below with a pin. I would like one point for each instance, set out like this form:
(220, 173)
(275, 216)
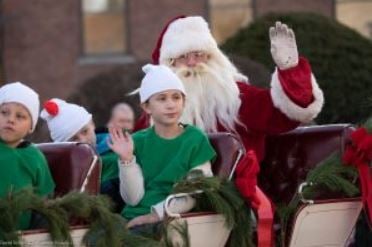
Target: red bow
(359, 154)
(246, 182)
(246, 178)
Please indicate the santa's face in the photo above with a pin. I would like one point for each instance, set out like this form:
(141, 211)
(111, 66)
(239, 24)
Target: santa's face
(191, 59)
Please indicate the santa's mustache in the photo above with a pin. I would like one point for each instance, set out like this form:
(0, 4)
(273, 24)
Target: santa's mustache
(188, 72)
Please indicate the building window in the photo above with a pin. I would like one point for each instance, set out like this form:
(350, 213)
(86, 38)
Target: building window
(104, 27)
(356, 14)
(228, 16)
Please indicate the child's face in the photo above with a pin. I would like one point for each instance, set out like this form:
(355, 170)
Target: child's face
(165, 107)
(15, 123)
(122, 118)
(86, 135)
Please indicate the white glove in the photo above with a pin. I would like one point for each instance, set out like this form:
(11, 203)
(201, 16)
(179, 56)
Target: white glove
(283, 46)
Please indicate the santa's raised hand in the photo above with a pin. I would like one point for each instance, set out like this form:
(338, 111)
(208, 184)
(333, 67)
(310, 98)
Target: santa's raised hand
(283, 46)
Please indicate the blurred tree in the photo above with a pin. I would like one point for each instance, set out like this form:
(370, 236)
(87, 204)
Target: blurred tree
(257, 73)
(100, 93)
(341, 60)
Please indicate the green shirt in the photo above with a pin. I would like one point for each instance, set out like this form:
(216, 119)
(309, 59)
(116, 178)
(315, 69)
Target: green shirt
(166, 161)
(21, 168)
(110, 168)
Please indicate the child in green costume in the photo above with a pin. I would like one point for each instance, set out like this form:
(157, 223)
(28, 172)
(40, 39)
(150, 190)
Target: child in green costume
(71, 122)
(22, 165)
(154, 159)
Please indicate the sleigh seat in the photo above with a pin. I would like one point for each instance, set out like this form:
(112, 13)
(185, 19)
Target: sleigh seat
(328, 219)
(208, 229)
(74, 167)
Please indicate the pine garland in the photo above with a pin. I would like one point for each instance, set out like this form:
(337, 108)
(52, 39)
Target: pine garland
(220, 196)
(368, 123)
(19, 202)
(108, 229)
(105, 227)
(330, 175)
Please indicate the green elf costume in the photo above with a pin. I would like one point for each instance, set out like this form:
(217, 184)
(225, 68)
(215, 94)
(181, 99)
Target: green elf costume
(23, 166)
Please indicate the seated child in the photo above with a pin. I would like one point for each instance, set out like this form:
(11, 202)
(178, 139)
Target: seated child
(122, 116)
(154, 159)
(71, 122)
(22, 165)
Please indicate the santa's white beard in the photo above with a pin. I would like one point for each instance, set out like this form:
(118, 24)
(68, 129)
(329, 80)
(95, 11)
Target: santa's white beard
(212, 96)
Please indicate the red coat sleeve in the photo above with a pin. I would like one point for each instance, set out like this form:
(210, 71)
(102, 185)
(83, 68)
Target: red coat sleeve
(258, 114)
(296, 83)
(294, 98)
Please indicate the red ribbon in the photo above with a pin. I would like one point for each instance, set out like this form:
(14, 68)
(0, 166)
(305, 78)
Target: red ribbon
(359, 154)
(265, 214)
(246, 182)
(246, 178)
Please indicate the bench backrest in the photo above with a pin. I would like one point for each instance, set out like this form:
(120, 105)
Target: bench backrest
(290, 156)
(74, 167)
(229, 151)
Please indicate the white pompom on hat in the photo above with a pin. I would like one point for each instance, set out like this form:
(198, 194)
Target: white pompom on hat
(64, 119)
(158, 78)
(17, 92)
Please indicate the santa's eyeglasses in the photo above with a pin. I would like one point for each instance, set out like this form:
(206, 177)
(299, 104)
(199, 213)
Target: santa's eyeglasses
(197, 56)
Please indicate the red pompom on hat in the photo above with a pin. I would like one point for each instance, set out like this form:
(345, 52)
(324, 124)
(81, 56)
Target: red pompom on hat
(64, 119)
(51, 107)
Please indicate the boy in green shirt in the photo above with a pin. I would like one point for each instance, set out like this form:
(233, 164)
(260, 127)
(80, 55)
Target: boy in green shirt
(71, 122)
(154, 159)
(22, 165)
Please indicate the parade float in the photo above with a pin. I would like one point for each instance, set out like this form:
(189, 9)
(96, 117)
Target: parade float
(315, 179)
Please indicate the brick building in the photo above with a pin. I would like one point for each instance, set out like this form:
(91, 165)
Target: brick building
(55, 46)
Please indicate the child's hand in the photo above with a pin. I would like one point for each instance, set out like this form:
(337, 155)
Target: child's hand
(143, 219)
(121, 143)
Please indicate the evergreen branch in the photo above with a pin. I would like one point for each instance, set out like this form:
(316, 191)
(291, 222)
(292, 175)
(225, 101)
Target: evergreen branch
(329, 175)
(220, 196)
(173, 229)
(368, 123)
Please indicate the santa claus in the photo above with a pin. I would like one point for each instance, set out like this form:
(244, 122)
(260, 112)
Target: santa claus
(219, 98)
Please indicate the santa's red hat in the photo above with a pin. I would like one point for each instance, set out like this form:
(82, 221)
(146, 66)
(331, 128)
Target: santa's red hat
(182, 35)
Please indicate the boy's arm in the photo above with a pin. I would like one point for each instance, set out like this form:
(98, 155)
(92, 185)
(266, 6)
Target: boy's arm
(130, 174)
(131, 182)
(184, 204)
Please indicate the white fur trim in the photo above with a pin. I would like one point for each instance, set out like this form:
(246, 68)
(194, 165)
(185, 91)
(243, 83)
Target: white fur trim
(292, 110)
(185, 35)
(241, 78)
